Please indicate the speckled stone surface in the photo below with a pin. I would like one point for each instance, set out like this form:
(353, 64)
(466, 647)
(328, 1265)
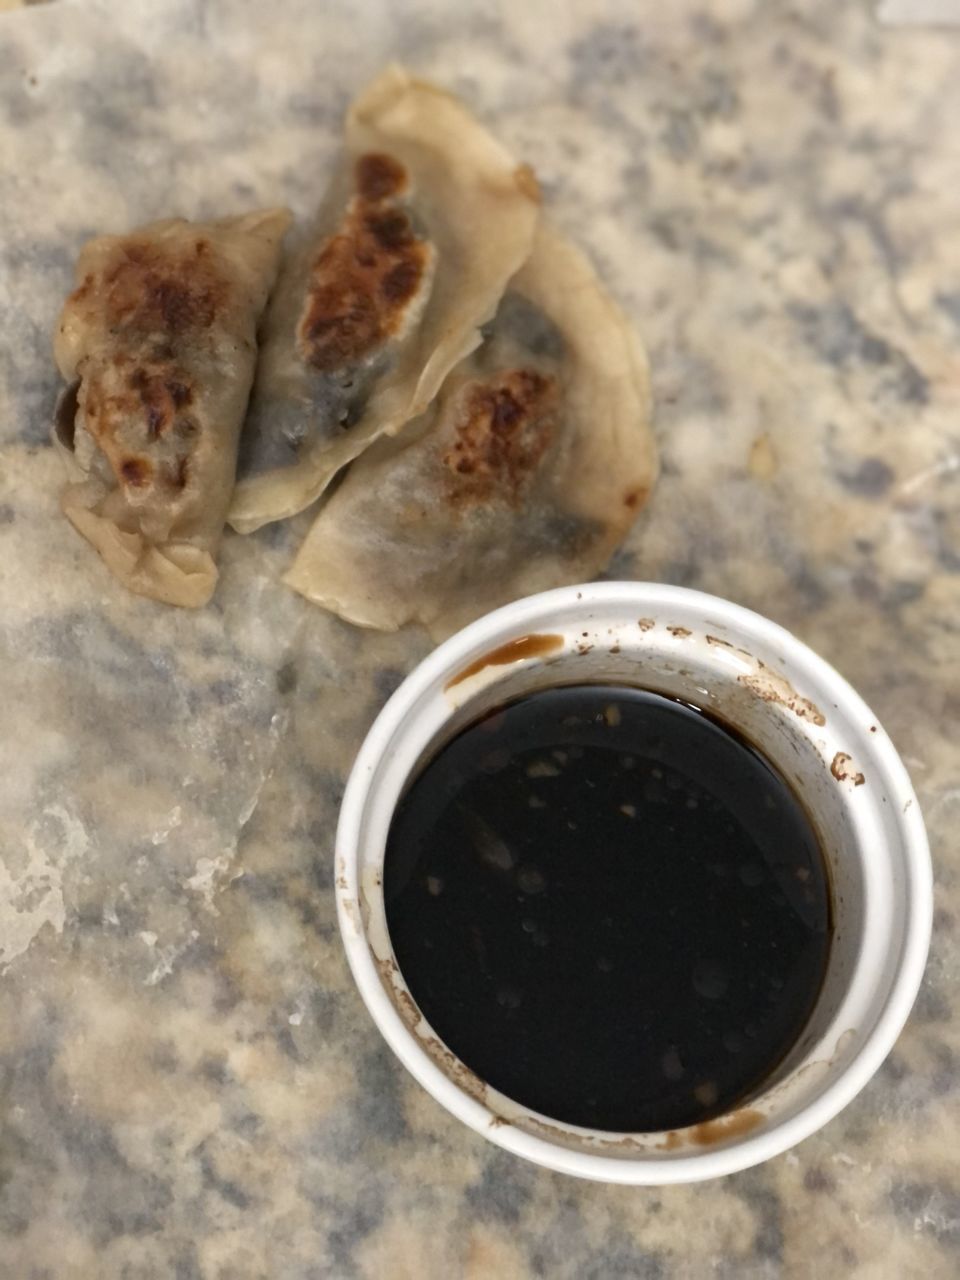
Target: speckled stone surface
(189, 1084)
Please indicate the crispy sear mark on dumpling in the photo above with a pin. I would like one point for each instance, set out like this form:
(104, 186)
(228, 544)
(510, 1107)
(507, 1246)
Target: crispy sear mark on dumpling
(163, 299)
(159, 340)
(162, 397)
(525, 472)
(368, 281)
(152, 288)
(410, 253)
(502, 429)
(140, 418)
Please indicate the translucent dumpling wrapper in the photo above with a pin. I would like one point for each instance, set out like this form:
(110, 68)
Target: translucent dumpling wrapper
(524, 474)
(158, 344)
(409, 255)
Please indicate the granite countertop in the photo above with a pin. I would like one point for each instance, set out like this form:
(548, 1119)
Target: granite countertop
(189, 1083)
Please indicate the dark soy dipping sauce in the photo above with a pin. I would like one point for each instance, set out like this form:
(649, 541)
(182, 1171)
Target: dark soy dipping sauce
(610, 907)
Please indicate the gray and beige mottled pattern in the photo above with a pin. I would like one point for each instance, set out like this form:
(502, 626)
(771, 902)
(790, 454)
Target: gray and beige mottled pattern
(189, 1085)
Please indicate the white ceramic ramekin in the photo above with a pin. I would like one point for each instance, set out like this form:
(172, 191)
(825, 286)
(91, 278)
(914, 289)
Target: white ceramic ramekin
(805, 718)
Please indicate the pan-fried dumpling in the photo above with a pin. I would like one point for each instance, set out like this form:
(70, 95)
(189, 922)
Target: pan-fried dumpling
(411, 252)
(524, 474)
(158, 342)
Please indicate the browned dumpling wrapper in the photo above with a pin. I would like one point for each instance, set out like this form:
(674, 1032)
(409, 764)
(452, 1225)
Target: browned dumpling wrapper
(410, 254)
(525, 473)
(158, 343)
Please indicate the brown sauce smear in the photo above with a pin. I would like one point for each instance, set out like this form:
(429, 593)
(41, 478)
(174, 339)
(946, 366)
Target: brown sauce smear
(135, 472)
(535, 646)
(723, 1128)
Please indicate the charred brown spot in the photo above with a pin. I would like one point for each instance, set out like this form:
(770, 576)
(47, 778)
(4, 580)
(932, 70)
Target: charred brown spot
(366, 276)
(135, 472)
(137, 417)
(156, 288)
(156, 419)
(186, 428)
(181, 306)
(634, 499)
(378, 177)
(160, 299)
(82, 290)
(179, 393)
(391, 230)
(160, 398)
(343, 324)
(401, 283)
(505, 427)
